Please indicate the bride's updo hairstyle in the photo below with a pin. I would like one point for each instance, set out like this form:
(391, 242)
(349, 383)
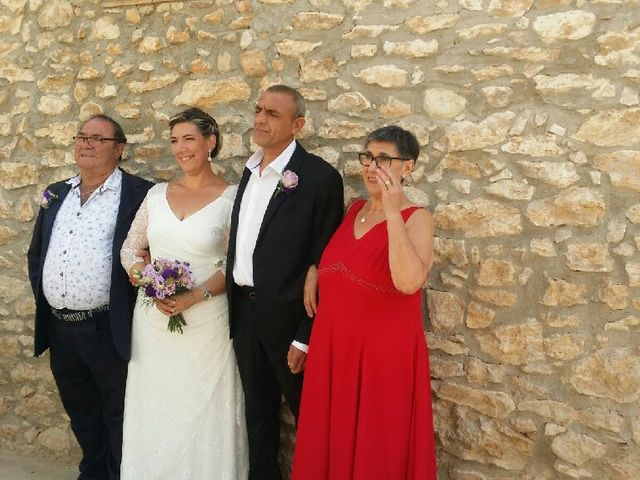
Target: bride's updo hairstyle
(204, 122)
(405, 142)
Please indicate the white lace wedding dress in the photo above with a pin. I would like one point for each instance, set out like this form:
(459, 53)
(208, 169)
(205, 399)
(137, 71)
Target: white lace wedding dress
(184, 404)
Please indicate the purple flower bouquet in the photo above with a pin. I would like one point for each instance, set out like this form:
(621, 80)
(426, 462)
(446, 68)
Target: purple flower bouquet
(164, 278)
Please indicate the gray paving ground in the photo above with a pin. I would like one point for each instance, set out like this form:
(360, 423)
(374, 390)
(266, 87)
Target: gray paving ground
(13, 467)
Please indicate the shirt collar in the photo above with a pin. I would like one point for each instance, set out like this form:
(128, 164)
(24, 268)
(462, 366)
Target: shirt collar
(277, 165)
(112, 182)
(74, 181)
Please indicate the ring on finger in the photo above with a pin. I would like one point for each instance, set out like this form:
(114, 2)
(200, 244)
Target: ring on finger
(387, 183)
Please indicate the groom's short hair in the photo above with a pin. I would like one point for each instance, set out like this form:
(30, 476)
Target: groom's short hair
(300, 106)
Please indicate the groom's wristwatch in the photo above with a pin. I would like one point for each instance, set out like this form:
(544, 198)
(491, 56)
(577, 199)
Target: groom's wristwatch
(207, 295)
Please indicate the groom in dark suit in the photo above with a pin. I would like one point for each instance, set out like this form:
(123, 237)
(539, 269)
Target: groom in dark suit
(84, 302)
(288, 205)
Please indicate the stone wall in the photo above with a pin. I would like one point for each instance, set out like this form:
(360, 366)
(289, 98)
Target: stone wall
(529, 117)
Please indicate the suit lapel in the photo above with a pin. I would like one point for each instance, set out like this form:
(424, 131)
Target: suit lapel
(52, 213)
(127, 201)
(294, 165)
(235, 213)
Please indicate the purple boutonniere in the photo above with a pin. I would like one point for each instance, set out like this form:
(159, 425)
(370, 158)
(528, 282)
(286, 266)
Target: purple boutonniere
(48, 197)
(287, 184)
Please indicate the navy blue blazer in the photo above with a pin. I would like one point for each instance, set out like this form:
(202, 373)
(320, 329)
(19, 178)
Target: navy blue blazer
(122, 295)
(294, 231)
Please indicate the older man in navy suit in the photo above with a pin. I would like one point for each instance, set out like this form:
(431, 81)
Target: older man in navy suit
(84, 302)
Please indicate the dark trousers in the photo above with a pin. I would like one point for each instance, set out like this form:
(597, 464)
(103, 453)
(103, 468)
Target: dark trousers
(265, 377)
(91, 379)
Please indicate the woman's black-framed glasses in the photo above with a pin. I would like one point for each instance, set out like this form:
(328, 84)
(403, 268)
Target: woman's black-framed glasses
(365, 159)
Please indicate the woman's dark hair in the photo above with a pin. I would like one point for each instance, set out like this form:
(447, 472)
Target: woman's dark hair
(204, 122)
(405, 141)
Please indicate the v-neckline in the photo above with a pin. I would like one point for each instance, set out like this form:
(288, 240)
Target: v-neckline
(353, 226)
(204, 207)
(355, 215)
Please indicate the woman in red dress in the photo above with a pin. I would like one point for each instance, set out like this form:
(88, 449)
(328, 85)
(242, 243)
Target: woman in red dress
(366, 401)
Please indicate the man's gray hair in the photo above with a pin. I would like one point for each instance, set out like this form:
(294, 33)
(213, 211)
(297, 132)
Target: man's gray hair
(298, 100)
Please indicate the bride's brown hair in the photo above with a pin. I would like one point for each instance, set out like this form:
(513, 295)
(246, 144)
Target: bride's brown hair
(204, 122)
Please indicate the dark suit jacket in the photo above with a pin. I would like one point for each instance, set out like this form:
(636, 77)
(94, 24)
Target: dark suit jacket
(122, 295)
(295, 229)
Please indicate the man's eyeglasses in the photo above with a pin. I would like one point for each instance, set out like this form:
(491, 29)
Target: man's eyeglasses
(366, 158)
(92, 140)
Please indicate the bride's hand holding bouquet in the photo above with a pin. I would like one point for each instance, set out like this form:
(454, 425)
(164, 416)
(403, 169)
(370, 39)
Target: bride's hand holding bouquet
(167, 284)
(178, 303)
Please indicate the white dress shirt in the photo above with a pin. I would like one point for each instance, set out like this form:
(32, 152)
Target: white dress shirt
(255, 199)
(77, 268)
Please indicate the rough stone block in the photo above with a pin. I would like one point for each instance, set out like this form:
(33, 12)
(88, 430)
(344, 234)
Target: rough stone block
(386, 76)
(612, 373)
(446, 311)
(479, 218)
(514, 344)
(576, 448)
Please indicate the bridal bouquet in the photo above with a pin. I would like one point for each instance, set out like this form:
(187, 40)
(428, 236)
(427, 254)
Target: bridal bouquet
(163, 278)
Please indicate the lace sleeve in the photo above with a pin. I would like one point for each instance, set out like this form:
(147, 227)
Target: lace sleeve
(229, 194)
(136, 238)
(221, 263)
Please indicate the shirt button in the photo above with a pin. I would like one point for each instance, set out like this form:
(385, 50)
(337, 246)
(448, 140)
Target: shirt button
(63, 295)
(70, 231)
(61, 274)
(78, 214)
(64, 251)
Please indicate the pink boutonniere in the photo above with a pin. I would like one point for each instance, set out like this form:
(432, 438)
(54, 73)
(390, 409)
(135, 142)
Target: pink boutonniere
(48, 197)
(287, 184)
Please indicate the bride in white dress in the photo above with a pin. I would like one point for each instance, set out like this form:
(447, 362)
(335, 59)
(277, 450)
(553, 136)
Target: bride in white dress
(184, 404)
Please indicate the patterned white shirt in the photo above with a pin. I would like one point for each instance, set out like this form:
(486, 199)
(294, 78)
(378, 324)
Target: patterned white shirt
(77, 268)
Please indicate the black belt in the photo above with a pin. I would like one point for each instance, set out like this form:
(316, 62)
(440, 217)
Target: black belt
(67, 315)
(245, 291)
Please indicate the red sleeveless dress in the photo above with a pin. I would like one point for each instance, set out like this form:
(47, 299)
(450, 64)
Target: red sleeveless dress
(366, 401)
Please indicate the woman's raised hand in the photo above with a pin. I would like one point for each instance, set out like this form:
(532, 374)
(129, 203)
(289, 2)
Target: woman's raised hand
(391, 187)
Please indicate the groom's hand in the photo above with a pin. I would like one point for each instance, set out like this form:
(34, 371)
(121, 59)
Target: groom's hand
(296, 359)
